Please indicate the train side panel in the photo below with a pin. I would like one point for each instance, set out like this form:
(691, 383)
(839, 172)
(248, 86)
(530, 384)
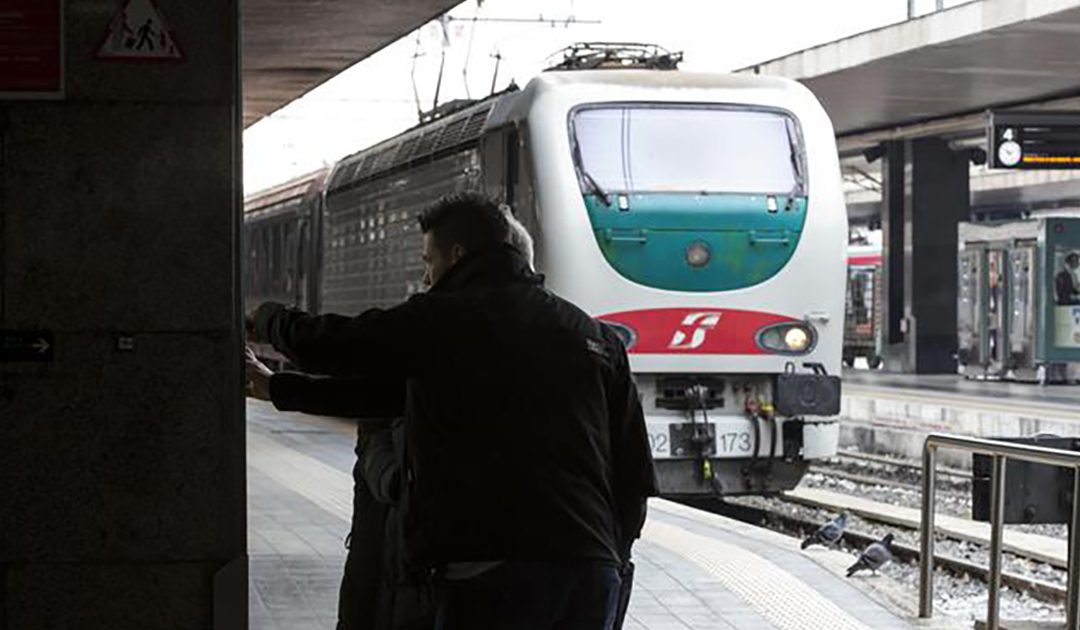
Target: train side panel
(281, 243)
(371, 239)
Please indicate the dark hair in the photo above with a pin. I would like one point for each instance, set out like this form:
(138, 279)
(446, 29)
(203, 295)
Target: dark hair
(469, 219)
(1072, 258)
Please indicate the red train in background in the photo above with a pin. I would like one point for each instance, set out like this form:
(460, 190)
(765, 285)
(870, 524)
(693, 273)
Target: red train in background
(864, 307)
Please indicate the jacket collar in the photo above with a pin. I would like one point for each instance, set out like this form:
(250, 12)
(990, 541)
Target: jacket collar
(495, 266)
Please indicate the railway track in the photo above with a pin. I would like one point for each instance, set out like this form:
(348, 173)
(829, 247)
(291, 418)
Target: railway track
(881, 471)
(868, 494)
(794, 525)
(915, 467)
(875, 470)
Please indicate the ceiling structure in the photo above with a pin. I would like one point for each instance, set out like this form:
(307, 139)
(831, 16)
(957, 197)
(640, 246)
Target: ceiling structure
(992, 192)
(986, 53)
(290, 46)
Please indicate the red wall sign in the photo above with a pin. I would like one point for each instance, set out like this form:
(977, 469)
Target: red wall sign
(31, 49)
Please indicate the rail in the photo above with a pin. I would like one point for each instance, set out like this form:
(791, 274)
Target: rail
(1001, 452)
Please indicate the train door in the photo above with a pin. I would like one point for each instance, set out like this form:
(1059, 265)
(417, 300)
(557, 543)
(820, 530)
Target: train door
(313, 259)
(860, 335)
(289, 272)
(303, 264)
(1022, 309)
(997, 311)
(499, 162)
(266, 268)
(971, 333)
(508, 175)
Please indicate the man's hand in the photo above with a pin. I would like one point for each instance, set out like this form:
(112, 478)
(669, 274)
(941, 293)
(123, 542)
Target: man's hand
(258, 375)
(260, 317)
(249, 329)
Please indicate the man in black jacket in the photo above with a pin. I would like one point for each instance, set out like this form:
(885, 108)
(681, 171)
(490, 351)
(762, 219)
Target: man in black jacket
(527, 461)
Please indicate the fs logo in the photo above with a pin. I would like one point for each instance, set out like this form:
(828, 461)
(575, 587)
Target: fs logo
(701, 323)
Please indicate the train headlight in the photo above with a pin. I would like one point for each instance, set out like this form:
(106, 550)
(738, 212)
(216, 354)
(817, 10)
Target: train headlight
(797, 339)
(698, 254)
(788, 338)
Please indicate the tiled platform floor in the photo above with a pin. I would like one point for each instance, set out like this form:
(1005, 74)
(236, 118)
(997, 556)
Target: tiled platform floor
(696, 571)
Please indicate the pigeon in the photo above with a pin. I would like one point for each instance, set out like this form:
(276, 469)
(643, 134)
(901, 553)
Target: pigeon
(873, 557)
(828, 534)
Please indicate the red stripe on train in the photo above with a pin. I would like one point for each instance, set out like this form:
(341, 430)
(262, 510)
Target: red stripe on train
(871, 259)
(694, 330)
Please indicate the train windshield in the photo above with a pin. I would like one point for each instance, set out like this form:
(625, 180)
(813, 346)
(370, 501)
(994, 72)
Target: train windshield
(687, 149)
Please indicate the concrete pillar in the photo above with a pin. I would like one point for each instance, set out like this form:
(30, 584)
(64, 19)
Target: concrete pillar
(936, 197)
(122, 459)
(892, 250)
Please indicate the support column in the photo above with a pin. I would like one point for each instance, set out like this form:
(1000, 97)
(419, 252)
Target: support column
(122, 457)
(892, 255)
(938, 199)
(925, 196)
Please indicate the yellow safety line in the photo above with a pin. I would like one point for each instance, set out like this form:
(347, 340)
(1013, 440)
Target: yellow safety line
(776, 595)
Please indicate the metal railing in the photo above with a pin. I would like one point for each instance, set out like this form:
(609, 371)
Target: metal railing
(1001, 452)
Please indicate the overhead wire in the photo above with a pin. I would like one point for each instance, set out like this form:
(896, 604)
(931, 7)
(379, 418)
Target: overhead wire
(412, 76)
(468, 50)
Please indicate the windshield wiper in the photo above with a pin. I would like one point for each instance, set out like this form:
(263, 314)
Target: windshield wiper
(795, 154)
(594, 188)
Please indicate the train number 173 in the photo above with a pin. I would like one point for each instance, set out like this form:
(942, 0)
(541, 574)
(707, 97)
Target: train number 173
(733, 442)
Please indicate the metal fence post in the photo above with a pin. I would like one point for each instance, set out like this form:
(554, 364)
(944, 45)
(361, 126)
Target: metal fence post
(997, 533)
(1072, 608)
(926, 560)
(1001, 452)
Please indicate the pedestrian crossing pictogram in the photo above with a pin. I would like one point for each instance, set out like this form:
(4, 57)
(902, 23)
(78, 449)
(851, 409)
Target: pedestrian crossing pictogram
(140, 32)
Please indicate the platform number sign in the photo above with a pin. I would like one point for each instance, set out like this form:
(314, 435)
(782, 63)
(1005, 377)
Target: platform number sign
(1009, 152)
(1033, 140)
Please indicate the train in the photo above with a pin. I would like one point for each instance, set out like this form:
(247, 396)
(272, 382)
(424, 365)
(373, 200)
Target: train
(865, 308)
(700, 215)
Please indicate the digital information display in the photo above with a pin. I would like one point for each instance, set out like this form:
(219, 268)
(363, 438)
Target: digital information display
(1034, 140)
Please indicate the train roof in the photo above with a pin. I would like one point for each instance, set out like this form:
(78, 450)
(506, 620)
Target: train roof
(427, 141)
(666, 79)
(275, 195)
(467, 122)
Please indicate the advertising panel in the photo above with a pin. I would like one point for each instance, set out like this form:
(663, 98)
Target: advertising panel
(1066, 296)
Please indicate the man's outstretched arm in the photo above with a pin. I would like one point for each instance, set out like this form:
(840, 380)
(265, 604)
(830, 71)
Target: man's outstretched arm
(378, 341)
(345, 397)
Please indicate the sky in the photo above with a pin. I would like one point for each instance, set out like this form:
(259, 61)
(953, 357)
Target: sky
(380, 96)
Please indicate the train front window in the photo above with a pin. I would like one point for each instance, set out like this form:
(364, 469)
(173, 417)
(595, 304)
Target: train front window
(687, 149)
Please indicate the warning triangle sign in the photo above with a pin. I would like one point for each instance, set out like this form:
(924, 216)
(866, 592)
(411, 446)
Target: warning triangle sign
(139, 32)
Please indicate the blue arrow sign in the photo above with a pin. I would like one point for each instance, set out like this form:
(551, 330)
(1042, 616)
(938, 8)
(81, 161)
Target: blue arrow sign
(26, 346)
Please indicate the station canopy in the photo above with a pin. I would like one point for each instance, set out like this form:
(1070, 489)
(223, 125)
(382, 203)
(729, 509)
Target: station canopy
(951, 63)
(291, 47)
